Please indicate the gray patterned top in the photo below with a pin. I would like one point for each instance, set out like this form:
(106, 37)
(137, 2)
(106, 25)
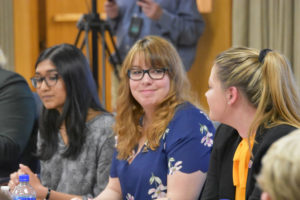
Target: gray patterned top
(88, 174)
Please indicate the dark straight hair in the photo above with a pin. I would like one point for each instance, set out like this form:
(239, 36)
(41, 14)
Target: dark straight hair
(73, 68)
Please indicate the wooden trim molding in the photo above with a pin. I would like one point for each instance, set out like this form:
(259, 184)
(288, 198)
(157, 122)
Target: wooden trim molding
(26, 36)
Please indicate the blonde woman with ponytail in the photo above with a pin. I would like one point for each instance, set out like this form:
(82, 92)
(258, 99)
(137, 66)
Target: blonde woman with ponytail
(163, 140)
(254, 95)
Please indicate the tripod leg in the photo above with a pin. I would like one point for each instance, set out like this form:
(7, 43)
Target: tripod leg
(82, 45)
(77, 37)
(118, 61)
(86, 42)
(111, 58)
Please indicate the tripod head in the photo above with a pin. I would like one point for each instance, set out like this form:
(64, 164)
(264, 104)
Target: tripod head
(98, 27)
(89, 21)
(92, 20)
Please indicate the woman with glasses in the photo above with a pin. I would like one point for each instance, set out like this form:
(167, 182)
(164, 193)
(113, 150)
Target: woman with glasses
(163, 141)
(76, 142)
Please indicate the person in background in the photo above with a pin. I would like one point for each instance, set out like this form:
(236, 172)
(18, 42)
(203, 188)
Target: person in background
(163, 140)
(175, 20)
(254, 95)
(279, 177)
(17, 122)
(76, 141)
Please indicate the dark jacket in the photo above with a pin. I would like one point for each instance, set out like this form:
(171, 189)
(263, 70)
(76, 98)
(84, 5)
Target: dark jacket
(17, 121)
(219, 183)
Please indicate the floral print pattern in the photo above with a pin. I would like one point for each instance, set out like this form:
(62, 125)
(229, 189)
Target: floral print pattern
(159, 191)
(208, 138)
(174, 168)
(129, 197)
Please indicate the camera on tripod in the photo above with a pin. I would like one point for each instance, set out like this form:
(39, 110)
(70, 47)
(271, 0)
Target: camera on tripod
(92, 23)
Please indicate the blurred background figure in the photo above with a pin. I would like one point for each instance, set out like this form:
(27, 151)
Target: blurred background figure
(254, 95)
(280, 174)
(163, 140)
(175, 20)
(17, 123)
(76, 142)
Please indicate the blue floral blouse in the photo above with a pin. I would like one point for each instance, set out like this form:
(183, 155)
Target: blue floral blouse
(185, 146)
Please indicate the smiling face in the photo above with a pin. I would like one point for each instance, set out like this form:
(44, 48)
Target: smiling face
(53, 97)
(216, 98)
(148, 92)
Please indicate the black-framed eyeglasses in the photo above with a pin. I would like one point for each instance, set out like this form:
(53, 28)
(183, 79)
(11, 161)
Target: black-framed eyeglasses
(50, 80)
(154, 73)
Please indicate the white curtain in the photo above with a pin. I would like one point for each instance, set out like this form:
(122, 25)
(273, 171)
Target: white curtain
(273, 24)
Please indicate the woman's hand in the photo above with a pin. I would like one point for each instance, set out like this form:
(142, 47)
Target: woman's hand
(34, 181)
(151, 9)
(14, 180)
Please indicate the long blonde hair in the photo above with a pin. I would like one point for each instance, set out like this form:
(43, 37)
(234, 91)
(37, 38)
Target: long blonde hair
(159, 53)
(268, 84)
(280, 173)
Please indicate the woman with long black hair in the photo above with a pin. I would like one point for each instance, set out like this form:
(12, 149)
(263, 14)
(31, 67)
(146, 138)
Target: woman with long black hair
(75, 143)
